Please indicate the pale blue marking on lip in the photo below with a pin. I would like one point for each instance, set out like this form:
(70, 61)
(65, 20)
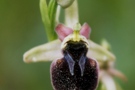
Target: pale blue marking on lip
(71, 63)
(82, 64)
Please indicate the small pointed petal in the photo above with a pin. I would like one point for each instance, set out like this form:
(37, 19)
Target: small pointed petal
(108, 81)
(117, 73)
(45, 52)
(105, 44)
(63, 31)
(85, 30)
(99, 53)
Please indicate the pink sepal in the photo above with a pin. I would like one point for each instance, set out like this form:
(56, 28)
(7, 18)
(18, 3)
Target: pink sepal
(63, 31)
(85, 30)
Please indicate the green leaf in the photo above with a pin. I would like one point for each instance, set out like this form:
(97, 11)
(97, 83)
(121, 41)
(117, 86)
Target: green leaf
(48, 17)
(52, 15)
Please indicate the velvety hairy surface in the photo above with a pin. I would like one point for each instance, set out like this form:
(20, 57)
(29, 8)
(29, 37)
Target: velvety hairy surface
(63, 80)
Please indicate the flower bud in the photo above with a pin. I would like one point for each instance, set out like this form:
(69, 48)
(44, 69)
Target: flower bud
(65, 3)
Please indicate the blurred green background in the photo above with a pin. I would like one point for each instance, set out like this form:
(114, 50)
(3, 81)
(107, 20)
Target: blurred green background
(21, 28)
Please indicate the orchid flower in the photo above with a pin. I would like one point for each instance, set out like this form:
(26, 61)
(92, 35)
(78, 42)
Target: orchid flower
(54, 50)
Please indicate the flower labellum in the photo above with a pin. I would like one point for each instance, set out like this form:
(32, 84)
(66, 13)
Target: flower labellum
(74, 71)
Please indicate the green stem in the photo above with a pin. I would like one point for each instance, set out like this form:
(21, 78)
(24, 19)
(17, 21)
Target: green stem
(71, 15)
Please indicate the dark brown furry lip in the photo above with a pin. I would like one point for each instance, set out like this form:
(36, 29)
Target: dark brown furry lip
(74, 71)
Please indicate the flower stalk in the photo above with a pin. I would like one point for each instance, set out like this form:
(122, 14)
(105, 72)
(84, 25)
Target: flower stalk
(71, 15)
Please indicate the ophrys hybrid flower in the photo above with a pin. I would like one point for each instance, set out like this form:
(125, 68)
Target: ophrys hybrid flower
(76, 53)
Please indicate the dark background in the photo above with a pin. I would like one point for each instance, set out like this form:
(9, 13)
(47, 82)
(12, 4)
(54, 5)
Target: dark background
(21, 28)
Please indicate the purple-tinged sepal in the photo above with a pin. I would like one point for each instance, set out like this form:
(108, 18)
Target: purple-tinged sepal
(63, 31)
(85, 30)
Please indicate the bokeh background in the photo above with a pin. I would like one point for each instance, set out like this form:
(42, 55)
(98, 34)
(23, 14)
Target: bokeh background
(21, 28)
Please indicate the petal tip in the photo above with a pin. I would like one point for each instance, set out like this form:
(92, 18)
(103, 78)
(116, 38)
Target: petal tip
(63, 31)
(85, 30)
